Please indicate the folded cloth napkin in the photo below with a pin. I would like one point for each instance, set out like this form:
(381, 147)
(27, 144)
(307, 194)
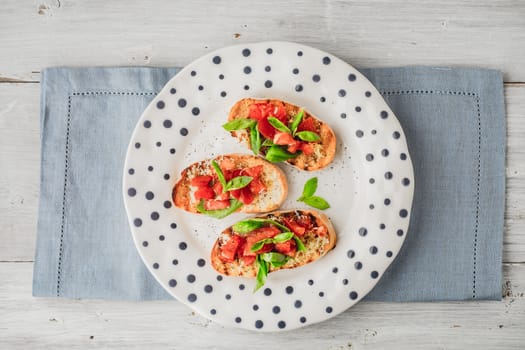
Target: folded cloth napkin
(454, 120)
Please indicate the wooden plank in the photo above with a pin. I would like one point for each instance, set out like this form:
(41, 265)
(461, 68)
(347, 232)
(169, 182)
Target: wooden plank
(35, 34)
(29, 322)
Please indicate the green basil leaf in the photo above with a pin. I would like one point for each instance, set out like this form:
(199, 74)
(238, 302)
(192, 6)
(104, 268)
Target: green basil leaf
(277, 154)
(308, 136)
(299, 244)
(218, 170)
(257, 246)
(248, 225)
(275, 259)
(278, 225)
(220, 213)
(309, 189)
(238, 182)
(296, 121)
(262, 273)
(255, 140)
(267, 143)
(239, 124)
(283, 237)
(317, 202)
(279, 125)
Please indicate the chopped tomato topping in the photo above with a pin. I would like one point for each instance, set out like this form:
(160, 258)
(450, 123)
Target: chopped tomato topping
(288, 248)
(294, 226)
(258, 235)
(304, 221)
(294, 147)
(246, 196)
(248, 260)
(266, 129)
(254, 171)
(261, 111)
(204, 193)
(322, 231)
(283, 138)
(228, 249)
(307, 124)
(200, 181)
(307, 148)
(255, 112)
(257, 186)
(214, 204)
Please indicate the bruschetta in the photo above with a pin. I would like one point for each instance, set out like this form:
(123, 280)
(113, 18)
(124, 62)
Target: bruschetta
(257, 246)
(281, 131)
(230, 183)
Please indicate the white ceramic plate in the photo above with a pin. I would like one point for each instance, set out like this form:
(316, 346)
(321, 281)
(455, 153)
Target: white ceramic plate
(369, 185)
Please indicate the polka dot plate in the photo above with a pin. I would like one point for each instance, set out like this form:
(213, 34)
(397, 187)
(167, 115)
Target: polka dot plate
(369, 185)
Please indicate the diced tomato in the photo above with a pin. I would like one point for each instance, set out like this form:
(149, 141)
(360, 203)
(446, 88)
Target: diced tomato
(230, 174)
(306, 148)
(322, 231)
(258, 235)
(307, 124)
(219, 195)
(248, 260)
(204, 193)
(227, 164)
(257, 186)
(201, 180)
(266, 129)
(294, 226)
(294, 147)
(213, 204)
(236, 193)
(246, 195)
(304, 221)
(283, 138)
(255, 112)
(254, 171)
(228, 250)
(288, 248)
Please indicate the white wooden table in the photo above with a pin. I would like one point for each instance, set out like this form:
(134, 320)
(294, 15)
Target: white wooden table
(35, 34)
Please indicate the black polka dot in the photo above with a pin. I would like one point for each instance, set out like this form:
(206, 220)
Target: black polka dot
(221, 76)
(342, 93)
(267, 68)
(173, 91)
(299, 53)
(374, 274)
(216, 59)
(161, 104)
(150, 168)
(247, 70)
(173, 225)
(172, 150)
(267, 291)
(269, 51)
(403, 156)
(373, 249)
(371, 206)
(172, 283)
(298, 304)
(200, 87)
(255, 307)
(405, 182)
(358, 265)
(213, 311)
(326, 60)
(238, 320)
(368, 94)
(385, 153)
(329, 310)
(182, 102)
(382, 226)
(353, 295)
(389, 254)
(322, 99)
(289, 290)
(147, 124)
(193, 73)
(158, 144)
(343, 115)
(192, 298)
(359, 133)
(369, 157)
(302, 319)
(241, 286)
(175, 262)
(195, 111)
(345, 281)
(374, 131)
(316, 78)
(298, 88)
(161, 238)
(363, 231)
(321, 294)
(310, 282)
(223, 93)
(281, 324)
(372, 180)
(246, 87)
(400, 232)
(388, 175)
(227, 296)
(155, 266)
(132, 192)
(154, 216)
(145, 243)
(403, 213)
(167, 123)
(259, 324)
(295, 71)
(350, 254)
(396, 135)
(387, 201)
(137, 145)
(184, 131)
(190, 278)
(219, 278)
(276, 309)
(268, 84)
(358, 109)
(246, 52)
(201, 262)
(149, 195)
(351, 77)
(335, 270)
(131, 171)
(183, 245)
(384, 114)
(166, 176)
(137, 222)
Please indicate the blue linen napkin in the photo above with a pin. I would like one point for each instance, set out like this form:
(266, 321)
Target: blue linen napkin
(454, 120)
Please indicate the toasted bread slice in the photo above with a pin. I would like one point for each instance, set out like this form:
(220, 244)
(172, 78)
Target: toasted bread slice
(323, 150)
(318, 240)
(272, 177)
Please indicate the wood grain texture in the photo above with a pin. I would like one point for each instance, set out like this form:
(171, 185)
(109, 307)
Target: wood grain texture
(29, 322)
(37, 33)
